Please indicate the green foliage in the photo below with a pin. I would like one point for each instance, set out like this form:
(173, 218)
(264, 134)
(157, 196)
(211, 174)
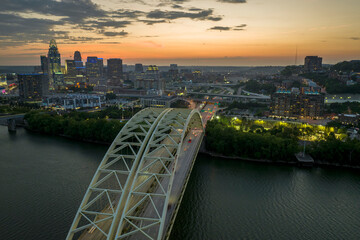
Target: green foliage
(279, 140)
(256, 87)
(110, 96)
(180, 104)
(333, 86)
(226, 140)
(347, 66)
(335, 124)
(83, 129)
(339, 108)
(336, 151)
(109, 112)
(289, 70)
(16, 109)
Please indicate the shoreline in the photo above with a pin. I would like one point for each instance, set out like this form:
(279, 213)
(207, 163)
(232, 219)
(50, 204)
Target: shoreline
(290, 163)
(68, 137)
(203, 151)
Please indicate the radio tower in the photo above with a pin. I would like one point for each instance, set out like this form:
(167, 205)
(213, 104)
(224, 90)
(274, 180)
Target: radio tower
(296, 52)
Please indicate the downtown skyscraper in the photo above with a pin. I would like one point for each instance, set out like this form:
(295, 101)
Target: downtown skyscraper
(54, 64)
(114, 71)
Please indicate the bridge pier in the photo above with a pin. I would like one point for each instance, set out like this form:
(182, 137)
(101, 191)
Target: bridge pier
(11, 125)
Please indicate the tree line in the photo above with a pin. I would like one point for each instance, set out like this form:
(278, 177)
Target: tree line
(228, 141)
(280, 141)
(335, 151)
(90, 129)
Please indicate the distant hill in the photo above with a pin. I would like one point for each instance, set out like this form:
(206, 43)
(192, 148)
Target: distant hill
(346, 66)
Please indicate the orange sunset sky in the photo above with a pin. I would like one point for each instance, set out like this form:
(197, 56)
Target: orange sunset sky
(186, 32)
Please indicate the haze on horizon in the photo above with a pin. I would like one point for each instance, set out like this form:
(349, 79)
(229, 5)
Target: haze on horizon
(186, 32)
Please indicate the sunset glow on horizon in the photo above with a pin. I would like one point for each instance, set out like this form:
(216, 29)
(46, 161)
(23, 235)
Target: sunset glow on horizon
(187, 32)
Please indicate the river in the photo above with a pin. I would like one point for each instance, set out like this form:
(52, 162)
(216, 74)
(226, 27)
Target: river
(44, 178)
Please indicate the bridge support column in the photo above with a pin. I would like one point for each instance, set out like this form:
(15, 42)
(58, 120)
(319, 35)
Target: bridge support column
(11, 125)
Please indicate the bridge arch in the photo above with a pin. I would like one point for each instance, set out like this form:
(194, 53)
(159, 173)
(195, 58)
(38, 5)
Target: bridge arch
(102, 200)
(145, 213)
(136, 174)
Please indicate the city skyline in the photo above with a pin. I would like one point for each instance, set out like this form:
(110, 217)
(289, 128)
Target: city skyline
(186, 32)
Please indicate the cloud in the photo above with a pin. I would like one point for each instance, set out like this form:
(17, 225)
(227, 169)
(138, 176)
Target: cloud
(17, 28)
(176, 6)
(232, 1)
(102, 23)
(127, 13)
(220, 28)
(215, 19)
(72, 10)
(171, 15)
(83, 39)
(223, 28)
(151, 22)
(194, 9)
(354, 38)
(240, 27)
(113, 34)
(110, 42)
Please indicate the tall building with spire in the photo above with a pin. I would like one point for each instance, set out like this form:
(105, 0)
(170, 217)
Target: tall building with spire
(54, 63)
(77, 56)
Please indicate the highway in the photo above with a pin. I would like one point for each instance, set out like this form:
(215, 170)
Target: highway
(256, 96)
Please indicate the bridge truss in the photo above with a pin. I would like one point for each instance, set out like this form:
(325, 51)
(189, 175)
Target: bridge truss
(128, 197)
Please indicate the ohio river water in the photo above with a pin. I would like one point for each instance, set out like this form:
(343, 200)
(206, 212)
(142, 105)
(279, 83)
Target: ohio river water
(43, 180)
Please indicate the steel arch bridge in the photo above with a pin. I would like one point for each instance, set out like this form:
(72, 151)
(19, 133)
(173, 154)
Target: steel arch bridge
(132, 194)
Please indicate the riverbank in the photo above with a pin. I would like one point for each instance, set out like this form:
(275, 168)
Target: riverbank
(67, 137)
(75, 126)
(320, 164)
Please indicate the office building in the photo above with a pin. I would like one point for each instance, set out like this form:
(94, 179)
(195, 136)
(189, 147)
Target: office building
(33, 86)
(44, 64)
(114, 72)
(78, 61)
(151, 80)
(71, 72)
(139, 68)
(313, 63)
(94, 70)
(173, 72)
(54, 65)
(306, 103)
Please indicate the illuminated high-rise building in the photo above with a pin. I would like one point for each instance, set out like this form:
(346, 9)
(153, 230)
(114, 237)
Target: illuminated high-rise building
(54, 62)
(94, 70)
(33, 86)
(71, 71)
(78, 61)
(44, 64)
(313, 63)
(77, 56)
(151, 80)
(114, 71)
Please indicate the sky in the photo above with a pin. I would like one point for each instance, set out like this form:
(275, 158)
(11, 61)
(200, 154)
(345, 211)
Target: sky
(186, 32)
